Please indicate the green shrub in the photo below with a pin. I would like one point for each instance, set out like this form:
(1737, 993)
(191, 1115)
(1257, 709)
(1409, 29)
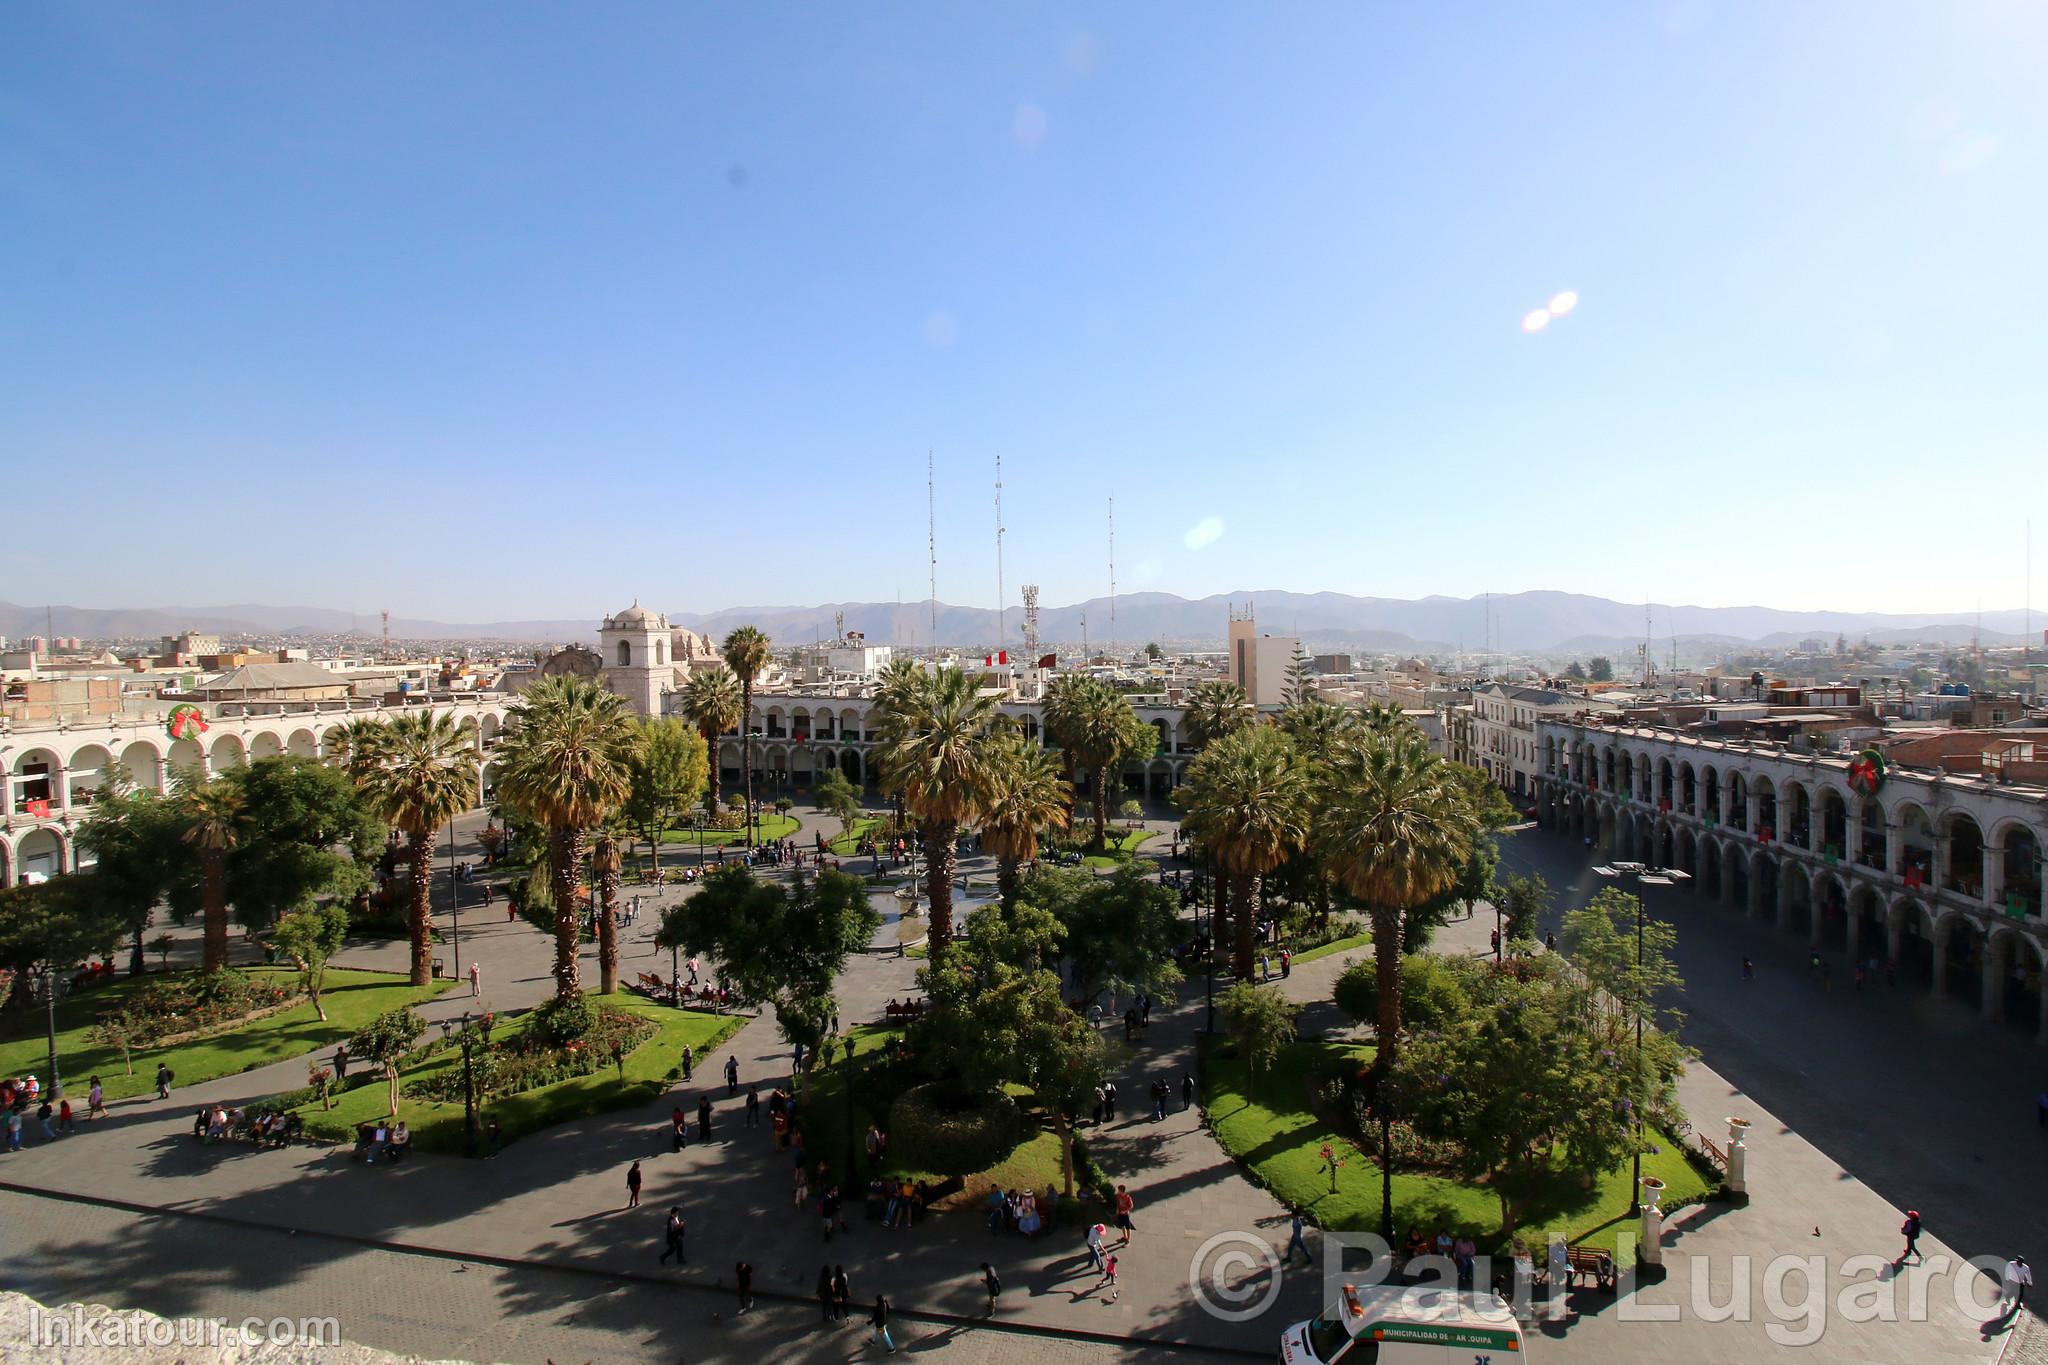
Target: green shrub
(562, 1021)
(928, 1134)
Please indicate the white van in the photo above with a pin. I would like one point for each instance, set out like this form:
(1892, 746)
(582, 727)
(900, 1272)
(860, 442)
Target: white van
(1406, 1325)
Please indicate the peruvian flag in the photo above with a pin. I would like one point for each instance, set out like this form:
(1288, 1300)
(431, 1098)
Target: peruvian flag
(992, 660)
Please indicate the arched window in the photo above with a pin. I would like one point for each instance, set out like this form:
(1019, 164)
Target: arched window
(625, 654)
(660, 652)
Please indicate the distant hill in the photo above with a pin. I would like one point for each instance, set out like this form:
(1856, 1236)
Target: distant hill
(1529, 622)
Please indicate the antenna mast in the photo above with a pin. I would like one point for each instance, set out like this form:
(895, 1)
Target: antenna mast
(1649, 664)
(1031, 622)
(387, 631)
(931, 534)
(1002, 623)
(1112, 576)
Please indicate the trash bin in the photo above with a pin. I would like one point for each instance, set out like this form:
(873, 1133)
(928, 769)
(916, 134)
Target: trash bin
(439, 968)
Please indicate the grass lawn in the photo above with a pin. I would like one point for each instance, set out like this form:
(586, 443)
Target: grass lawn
(352, 999)
(1122, 842)
(437, 1126)
(1270, 1129)
(1337, 945)
(768, 827)
(846, 844)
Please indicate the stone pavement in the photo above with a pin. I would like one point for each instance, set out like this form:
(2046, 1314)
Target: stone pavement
(552, 1202)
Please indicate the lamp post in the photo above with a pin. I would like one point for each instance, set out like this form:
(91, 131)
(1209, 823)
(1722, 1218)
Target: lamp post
(454, 903)
(1385, 1106)
(50, 1002)
(849, 1112)
(1635, 1206)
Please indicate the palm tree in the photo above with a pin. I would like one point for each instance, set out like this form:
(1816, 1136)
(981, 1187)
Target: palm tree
(566, 761)
(1094, 725)
(746, 654)
(606, 859)
(1023, 793)
(419, 771)
(1317, 726)
(1246, 800)
(212, 815)
(713, 701)
(1215, 709)
(1395, 827)
(935, 728)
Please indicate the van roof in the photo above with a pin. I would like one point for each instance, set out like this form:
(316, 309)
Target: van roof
(1423, 1314)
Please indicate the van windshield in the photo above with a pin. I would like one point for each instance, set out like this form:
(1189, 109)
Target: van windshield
(1329, 1338)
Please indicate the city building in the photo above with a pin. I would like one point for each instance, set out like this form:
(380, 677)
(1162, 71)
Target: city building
(1502, 732)
(1258, 663)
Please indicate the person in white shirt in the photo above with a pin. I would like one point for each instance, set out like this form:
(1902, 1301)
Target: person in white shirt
(2019, 1278)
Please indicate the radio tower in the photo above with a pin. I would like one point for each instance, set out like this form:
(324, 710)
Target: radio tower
(1031, 622)
(1112, 578)
(387, 631)
(931, 533)
(1002, 625)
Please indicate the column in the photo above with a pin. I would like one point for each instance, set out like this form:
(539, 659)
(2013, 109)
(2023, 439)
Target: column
(1940, 948)
(1852, 840)
(1991, 997)
(1994, 878)
(61, 775)
(1894, 850)
(1854, 941)
(1750, 807)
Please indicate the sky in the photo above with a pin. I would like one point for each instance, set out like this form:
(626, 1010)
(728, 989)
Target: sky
(510, 311)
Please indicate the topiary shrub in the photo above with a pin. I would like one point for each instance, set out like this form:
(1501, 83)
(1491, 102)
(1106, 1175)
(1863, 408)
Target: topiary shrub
(559, 1022)
(927, 1132)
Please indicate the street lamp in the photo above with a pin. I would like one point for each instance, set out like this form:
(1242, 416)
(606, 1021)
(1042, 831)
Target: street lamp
(849, 1113)
(454, 902)
(1384, 1103)
(50, 1000)
(1635, 1206)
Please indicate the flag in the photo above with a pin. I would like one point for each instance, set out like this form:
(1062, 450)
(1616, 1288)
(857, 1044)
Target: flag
(1049, 661)
(1003, 656)
(39, 808)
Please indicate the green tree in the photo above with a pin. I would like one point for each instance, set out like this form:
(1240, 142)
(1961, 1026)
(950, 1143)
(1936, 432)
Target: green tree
(1576, 671)
(668, 774)
(133, 838)
(1153, 652)
(746, 654)
(1317, 728)
(55, 925)
(1601, 669)
(1627, 954)
(1095, 726)
(383, 1043)
(417, 771)
(1119, 931)
(120, 1029)
(1214, 709)
(1301, 687)
(1024, 795)
(302, 832)
(1522, 902)
(211, 814)
(838, 797)
(606, 860)
(713, 702)
(1246, 801)
(1523, 1090)
(776, 946)
(309, 938)
(934, 757)
(1432, 992)
(1259, 1023)
(566, 761)
(1397, 827)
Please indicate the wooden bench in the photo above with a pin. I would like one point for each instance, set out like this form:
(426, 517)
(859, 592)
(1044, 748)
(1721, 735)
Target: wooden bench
(1582, 1262)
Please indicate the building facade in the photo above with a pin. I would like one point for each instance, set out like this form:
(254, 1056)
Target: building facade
(1258, 663)
(1937, 876)
(1502, 732)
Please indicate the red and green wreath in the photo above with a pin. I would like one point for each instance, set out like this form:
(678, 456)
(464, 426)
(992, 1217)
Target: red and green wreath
(185, 722)
(1867, 772)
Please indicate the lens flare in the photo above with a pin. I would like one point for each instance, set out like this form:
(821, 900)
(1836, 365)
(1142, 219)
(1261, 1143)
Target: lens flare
(1536, 321)
(1563, 302)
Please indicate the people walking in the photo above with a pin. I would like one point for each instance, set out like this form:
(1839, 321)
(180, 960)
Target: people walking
(1125, 1205)
(753, 1106)
(164, 1077)
(732, 1076)
(825, 1292)
(476, 978)
(1096, 1232)
(633, 1186)
(1911, 1229)
(341, 1062)
(704, 1118)
(993, 1284)
(1187, 1092)
(743, 1277)
(2014, 1284)
(1108, 1277)
(842, 1294)
(96, 1101)
(672, 1237)
(689, 1061)
(879, 1320)
(1296, 1241)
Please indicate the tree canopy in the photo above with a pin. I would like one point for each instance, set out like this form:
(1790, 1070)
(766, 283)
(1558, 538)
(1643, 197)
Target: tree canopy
(1118, 931)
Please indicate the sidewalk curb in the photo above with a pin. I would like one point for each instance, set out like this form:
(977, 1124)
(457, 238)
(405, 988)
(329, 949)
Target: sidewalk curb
(622, 1276)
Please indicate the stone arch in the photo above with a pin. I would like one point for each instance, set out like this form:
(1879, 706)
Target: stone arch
(1625, 774)
(1687, 856)
(43, 851)
(185, 759)
(1959, 956)
(2019, 853)
(1830, 911)
(1910, 939)
(490, 726)
(800, 723)
(144, 762)
(1663, 847)
(730, 759)
(1607, 781)
(849, 723)
(850, 766)
(333, 740)
(1688, 789)
(1604, 841)
(6, 862)
(1159, 779)
(1870, 845)
(1764, 884)
(1738, 801)
(86, 772)
(1916, 843)
(1795, 815)
(2011, 989)
(265, 744)
(1831, 824)
(36, 774)
(1962, 860)
(1864, 926)
(1737, 876)
(227, 752)
(303, 743)
(1666, 776)
(1766, 807)
(1710, 792)
(625, 654)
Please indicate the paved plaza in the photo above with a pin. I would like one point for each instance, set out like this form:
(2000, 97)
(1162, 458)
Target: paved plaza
(531, 1256)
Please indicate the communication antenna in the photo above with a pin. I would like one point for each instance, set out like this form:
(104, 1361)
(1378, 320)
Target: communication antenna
(839, 626)
(1112, 576)
(387, 629)
(1031, 622)
(931, 532)
(2027, 630)
(1084, 639)
(1002, 626)
(1649, 664)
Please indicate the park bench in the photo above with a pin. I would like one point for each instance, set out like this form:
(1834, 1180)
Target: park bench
(1586, 1263)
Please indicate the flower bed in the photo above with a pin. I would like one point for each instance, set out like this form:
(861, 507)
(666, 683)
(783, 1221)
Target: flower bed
(190, 1005)
(528, 1060)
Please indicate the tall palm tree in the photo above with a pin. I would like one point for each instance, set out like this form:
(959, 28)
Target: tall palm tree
(1395, 827)
(1096, 727)
(1214, 709)
(746, 654)
(1023, 793)
(1247, 802)
(714, 702)
(1316, 727)
(566, 762)
(212, 816)
(606, 860)
(933, 755)
(418, 771)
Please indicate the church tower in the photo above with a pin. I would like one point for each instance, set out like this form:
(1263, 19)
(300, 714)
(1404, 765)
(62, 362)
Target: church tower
(635, 647)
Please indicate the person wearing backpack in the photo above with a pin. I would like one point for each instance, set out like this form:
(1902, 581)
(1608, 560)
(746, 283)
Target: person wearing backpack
(164, 1077)
(879, 1319)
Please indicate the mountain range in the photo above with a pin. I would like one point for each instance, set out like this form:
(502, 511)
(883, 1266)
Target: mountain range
(1537, 622)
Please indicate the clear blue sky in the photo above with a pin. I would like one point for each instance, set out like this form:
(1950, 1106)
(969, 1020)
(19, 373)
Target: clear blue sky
(488, 311)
